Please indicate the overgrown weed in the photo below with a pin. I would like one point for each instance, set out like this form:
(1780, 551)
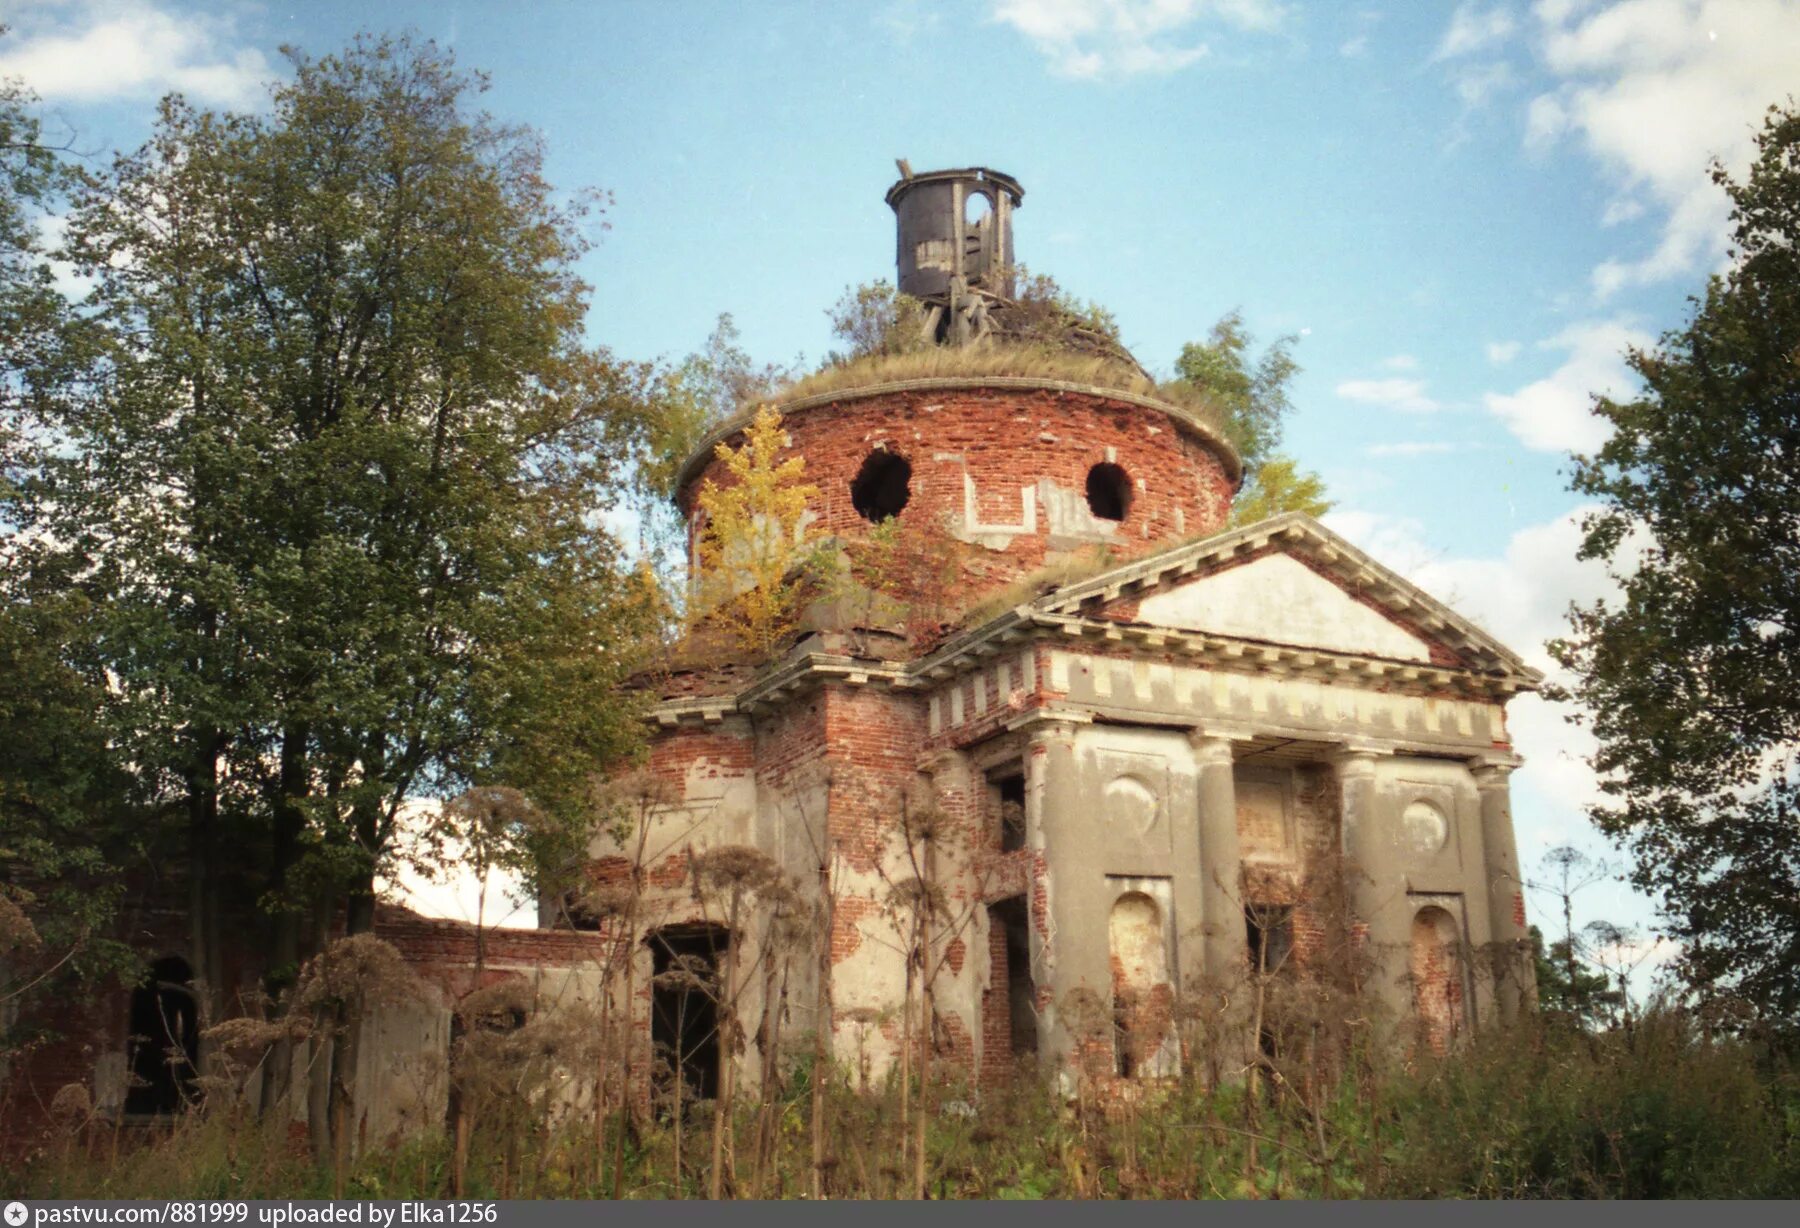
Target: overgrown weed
(1540, 1111)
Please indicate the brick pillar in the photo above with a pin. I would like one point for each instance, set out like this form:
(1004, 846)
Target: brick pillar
(1515, 979)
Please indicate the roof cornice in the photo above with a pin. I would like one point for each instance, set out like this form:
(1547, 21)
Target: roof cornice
(1325, 548)
(1058, 616)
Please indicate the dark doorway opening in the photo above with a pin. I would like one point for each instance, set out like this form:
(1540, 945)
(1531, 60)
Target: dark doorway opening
(684, 1003)
(164, 1043)
(1011, 916)
(1108, 491)
(882, 487)
(1269, 932)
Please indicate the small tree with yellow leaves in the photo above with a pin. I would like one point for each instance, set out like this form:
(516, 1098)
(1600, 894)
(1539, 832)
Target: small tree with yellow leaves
(754, 561)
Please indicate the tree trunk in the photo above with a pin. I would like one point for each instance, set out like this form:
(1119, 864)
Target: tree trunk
(284, 925)
(203, 876)
(318, 1069)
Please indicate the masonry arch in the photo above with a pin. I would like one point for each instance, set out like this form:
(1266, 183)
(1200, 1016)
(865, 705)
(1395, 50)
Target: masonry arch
(1108, 491)
(1142, 998)
(163, 1044)
(1438, 977)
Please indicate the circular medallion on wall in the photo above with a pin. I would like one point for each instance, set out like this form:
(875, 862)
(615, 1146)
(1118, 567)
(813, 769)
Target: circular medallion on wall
(1425, 827)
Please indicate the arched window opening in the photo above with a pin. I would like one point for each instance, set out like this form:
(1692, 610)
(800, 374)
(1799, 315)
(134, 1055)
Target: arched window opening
(976, 207)
(1437, 977)
(1141, 995)
(882, 487)
(1108, 491)
(164, 1044)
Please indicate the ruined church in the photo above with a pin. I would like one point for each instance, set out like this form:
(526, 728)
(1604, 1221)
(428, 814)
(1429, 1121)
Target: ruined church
(1188, 754)
(1137, 766)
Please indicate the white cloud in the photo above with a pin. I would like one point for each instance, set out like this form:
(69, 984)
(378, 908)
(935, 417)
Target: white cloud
(456, 894)
(1502, 352)
(1520, 597)
(1354, 48)
(906, 20)
(1474, 29)
(69, 283)
(1411, 447)
(1092, 39)
(454, 891)
(1622, 209)
(1655, 89)
(1405, 395)
(97, 50)
(1401, 362)
(1555, 414)
(1478, 83)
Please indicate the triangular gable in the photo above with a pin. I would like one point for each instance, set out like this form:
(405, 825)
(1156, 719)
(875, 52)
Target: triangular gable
(1288, 580)
(1277, 598)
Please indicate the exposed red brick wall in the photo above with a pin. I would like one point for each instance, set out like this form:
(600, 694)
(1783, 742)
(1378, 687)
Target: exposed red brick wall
(1006, 439)
(996, 1012)
(848, 912)
(1437, 978)
(872, 739)
(674, 753)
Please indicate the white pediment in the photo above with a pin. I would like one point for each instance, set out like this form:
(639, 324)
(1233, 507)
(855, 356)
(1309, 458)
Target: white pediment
(1282, 600)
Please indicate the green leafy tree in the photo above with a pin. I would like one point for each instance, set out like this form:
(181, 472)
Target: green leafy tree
(334, 484)
(1047, 314)
(683, 404)
(1279, 486)
(1252, 396)
(1567, 987)
(66, 825)
(875, 318)
(1691, 675)
(1251, 399)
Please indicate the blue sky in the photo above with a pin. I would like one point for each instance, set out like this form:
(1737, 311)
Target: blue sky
(1464, 211)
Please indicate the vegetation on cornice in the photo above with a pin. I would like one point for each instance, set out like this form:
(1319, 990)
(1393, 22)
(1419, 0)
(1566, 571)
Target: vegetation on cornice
(996, 359)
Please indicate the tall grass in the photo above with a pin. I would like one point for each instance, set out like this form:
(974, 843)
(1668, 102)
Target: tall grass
(1002, 359)
(1538, 1112)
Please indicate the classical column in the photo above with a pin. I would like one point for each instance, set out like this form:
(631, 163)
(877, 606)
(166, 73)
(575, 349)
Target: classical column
(1373, 880)
(1515, 980)
(1058, 895)
(1221, 860)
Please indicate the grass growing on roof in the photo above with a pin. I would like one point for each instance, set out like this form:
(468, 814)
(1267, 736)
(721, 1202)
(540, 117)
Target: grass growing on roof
(1001, 359)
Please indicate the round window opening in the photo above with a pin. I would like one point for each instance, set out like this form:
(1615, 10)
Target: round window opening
(976, 207)
(1108, 491)
(882, 487)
